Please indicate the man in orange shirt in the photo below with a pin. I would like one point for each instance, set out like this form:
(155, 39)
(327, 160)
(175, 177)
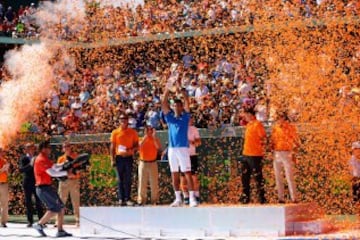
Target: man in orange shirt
(148, 166)
(284, 139)
(71, 186)
(47, 193)
(253, 152)
(124, 142)
(4, 188)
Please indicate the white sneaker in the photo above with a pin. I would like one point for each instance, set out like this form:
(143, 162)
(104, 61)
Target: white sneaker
(176, 203)
(193, 203)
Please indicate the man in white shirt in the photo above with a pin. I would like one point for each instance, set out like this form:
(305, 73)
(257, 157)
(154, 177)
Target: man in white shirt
(194, 141)
(77, 106)
(201, 92)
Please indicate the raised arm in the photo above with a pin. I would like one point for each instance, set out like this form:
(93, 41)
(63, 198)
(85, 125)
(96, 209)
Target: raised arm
(165, 102)
(186, 100)
(157, 140)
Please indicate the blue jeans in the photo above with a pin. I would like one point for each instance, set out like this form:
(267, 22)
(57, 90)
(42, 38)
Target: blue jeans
(124, 167)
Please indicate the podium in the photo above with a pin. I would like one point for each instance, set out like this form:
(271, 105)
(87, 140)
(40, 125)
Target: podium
(220, 221)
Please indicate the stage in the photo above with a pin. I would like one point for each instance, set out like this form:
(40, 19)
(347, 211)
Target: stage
(20, 231)
(206, 221)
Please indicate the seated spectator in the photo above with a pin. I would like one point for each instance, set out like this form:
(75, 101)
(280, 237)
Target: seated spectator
(201, 91)
(84, 95)
(71, 122)
(153, 118)
(77, 106)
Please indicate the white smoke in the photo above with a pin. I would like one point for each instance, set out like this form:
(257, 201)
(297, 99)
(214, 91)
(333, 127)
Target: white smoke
(60, 11)
(32, 76)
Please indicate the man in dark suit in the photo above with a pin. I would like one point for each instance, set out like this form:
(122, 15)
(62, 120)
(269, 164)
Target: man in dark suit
(26, 167)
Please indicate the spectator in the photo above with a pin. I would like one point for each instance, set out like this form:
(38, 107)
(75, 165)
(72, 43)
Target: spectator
(71, 122)
(201, 92)
(76, 107)
(84, 95)
(261, 110)
(153, 117)
(9, 15)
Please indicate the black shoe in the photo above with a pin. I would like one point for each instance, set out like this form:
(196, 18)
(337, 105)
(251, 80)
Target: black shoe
(186, 201)
(3, 225)
(40, 229)
(29, 225)
(281, 201)
(62, 233)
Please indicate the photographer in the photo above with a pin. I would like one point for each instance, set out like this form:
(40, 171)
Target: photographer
(46, 192)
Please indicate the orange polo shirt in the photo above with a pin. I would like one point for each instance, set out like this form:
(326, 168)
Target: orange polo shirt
(148, 150)
(3, 175)
(123, 139)
(283, 136)
(253, 139)
(41, 164)
(63, 159)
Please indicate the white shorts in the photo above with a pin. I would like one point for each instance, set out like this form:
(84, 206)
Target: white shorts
(179, 158)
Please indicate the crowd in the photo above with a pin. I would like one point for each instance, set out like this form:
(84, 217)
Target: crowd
(223, 75)
(218, 90)
(220, 75)
(18, 23)
(168, 16)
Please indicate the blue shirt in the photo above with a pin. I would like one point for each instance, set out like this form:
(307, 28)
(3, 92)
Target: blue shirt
(154, 119)
(178, 129)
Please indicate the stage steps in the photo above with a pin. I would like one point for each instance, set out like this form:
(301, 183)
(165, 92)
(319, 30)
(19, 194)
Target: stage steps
(220, 221)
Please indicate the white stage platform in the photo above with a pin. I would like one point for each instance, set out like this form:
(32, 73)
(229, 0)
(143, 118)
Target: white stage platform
(220, 221)
(16, 231)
